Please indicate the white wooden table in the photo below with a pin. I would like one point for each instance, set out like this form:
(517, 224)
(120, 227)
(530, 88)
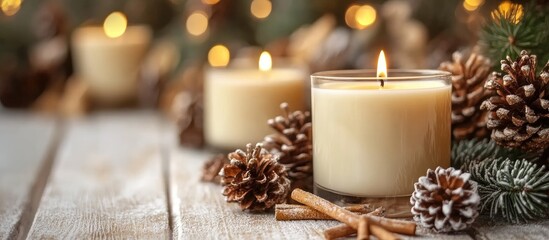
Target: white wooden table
(122, 175)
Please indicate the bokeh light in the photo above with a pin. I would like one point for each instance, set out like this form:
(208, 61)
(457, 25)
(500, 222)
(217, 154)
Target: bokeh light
(360, 17)
(507, 9)
(261, 8)
(210, 2)
(219, 56)
(115, 25)
(10, 7)
(197, 23)
(472, 5)
(350, 16)
(365, 16)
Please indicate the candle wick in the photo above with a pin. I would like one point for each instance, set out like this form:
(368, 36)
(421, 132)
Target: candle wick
(381, 77)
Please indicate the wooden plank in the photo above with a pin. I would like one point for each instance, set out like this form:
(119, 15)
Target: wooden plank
(107, 181)
(199, 211)
(486, 228)
(25, 141)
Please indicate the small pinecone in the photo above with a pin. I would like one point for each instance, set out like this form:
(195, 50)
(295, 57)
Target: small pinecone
(445, 200)
(468, 77)
(190, 122)
(519, 113)
(210, 170)
(254, 179)
(293, 142)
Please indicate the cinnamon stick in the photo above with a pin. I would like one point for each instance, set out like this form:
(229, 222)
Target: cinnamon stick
(338, 231)
(287, 212)
(382, 233)
(396, 226)
(363, 233)
(343, 230)
(326, 207)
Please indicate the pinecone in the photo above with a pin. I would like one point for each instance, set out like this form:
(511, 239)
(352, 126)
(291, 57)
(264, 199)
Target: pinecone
(210, 170)
(445, 200)
(254, 179)
(468, 77)
(293, 142)
(519, 113)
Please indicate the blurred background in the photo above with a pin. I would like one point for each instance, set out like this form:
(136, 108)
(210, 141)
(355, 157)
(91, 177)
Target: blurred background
(49, 50)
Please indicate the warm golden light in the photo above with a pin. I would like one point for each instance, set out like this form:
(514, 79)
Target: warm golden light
(210, 2)
(365, 16)
(472, 5)
(506, 9)
(350, 16)
(381, 65)
(10, 7)
(261, 8)
(197, 23)
(219, 56)
(115, 25)
(265, 61)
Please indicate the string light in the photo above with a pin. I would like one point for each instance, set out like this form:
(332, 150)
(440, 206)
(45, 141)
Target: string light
(10, 7)
(261, 8)
(219, 56)
(197, 23)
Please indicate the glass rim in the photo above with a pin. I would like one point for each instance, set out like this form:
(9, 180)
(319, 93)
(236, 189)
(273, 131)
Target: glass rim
(361, 74)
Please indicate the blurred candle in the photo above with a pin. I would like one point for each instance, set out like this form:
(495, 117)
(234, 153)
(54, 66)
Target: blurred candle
(239, 101)
(108, 58)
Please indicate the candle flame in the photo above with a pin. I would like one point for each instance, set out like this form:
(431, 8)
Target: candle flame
(115, 25)
(381, 66)
(265, 62)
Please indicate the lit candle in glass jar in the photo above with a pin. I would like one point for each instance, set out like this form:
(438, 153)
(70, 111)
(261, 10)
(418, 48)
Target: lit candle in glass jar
(239, 101)
(374, 133)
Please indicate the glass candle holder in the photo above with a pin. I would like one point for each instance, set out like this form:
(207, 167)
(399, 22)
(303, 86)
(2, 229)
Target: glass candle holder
(374, 137)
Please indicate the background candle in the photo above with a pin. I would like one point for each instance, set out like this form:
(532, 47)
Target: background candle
(239, 101)
(373, 141)
(108, 58)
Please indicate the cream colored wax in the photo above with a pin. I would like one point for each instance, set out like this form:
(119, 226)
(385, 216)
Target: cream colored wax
(238, 103)
(110, 66)
(377, 142)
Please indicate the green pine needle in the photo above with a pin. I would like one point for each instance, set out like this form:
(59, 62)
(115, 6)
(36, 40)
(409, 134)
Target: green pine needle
(503, 36)
(475, 150)
(515, 190)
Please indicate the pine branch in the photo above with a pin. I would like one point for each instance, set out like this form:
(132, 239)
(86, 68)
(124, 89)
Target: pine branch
(474, 150)
(519, 28)
(514, 190)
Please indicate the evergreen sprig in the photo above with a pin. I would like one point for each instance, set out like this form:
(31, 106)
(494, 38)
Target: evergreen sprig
(513, 189)
(474, 150)
(521, 27)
